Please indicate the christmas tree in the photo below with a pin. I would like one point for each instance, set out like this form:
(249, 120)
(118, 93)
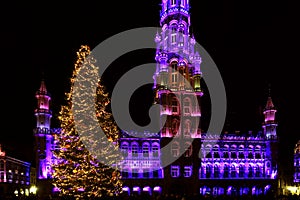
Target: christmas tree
(85, 165)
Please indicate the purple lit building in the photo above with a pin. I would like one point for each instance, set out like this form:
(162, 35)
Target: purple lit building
(232, 164)
(217, 164)
(297, 163)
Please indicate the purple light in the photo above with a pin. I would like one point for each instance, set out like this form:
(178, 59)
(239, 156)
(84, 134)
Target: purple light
(157, 189)
(136, 189)
(125, 189)
(146, 189)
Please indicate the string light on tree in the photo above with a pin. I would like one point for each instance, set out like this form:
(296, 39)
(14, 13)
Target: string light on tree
(77, 173)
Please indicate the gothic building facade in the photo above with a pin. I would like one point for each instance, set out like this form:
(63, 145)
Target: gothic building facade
(180, 158)
(297, 163)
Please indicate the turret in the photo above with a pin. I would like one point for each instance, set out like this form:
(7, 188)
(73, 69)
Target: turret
(270, 124)
(42, 133)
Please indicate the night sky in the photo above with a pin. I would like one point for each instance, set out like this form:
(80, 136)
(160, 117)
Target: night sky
(253, 43)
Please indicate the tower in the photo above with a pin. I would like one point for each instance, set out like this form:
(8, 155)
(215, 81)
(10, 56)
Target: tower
(270, 124)
(178, 90)
(42, 133)
(270, 134)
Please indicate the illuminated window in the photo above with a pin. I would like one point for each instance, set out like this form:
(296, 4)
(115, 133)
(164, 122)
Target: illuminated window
(173, 2)
(183, 3)
(174, 105)
(134, 150)
(187, 106)
(216, 151)
(216, 171)
(175, 149)
(233, 171)
(155, 150)
(241, 171)
(187, 171)
(250, 171)
(208, 171)
(188, 149)
(145, 150)
(257, 171)
(175, 171)
(124, 149)
(226, 171)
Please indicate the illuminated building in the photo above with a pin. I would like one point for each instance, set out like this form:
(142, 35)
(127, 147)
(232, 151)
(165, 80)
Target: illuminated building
(232, 164)
(14, 175)
(297, 163)
(217, 164)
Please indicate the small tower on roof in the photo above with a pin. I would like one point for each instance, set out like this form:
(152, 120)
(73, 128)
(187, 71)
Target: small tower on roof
(270, 124)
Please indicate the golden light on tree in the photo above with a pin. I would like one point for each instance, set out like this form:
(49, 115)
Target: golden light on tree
(76, 172)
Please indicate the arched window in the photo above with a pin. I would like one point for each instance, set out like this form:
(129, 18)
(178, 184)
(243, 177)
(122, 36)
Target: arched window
(241, 152)
(250, 171)
(175, 127)
(134, 150)
(174, 75)
(187, 128)
(226, 151)
(208, 171)
(124, 149)
(226, 171)
(233, 171)
(257, 152)
(173, 2)
(175, 106)
(216, 171)
(250, 152)
(175, 149)
(233, 151)
(257, 171)
(188, 149)
(145, 149)
(216, 151)
(241, 170)
(155, 150)
(187, 106)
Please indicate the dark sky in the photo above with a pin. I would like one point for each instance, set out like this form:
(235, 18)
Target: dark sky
(253, 43)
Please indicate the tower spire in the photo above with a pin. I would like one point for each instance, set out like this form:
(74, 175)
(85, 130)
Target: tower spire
(270, 124)
(43, 137)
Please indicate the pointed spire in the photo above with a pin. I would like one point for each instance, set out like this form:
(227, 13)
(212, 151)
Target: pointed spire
(43, 88)
(269, 104)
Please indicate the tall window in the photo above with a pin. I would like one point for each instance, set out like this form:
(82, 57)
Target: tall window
(187, 128)
(216, 151)
(188, 149)
(134, 150)
(208, 171)
(241, 171)
(173, 2)
(145, 149)
(233, 171)
(124, 149)
(175, 171)
(183, 3)
(257, 152)
(187, 106)
(241, 152)
(257, 171)
(175, 149)
(226, 171)
(174, 105)
(155, 150)
(187, 171)
(216, 171)
(250, 171)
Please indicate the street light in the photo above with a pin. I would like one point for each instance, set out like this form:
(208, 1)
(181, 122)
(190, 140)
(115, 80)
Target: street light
(33, 190)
